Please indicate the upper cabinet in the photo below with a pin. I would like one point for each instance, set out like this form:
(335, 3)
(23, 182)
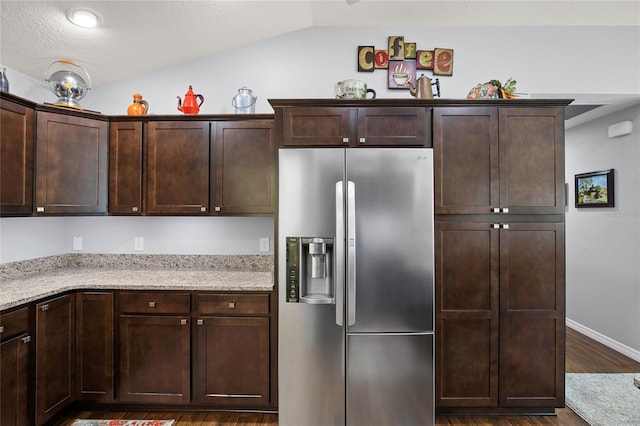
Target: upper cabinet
(244, 173)
(499, 160)
(351, 127)
(125, 168)
(177, 161)
(71, 164)
(16, 158)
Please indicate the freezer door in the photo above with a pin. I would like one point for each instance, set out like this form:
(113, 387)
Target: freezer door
(311, 347)
(390, 380)
(393, 240)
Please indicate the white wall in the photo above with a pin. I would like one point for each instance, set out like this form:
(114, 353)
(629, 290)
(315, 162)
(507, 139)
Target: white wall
(603, 244)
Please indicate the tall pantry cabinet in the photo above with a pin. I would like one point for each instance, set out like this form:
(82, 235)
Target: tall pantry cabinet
(500, 307)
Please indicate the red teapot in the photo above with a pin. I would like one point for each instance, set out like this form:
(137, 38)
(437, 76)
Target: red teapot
(190, 104)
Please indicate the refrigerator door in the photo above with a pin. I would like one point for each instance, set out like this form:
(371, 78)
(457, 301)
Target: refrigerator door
(311, 345)
(393, 289)
(390, 380)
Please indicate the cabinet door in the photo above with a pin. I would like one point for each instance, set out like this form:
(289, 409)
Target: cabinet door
(231, 361)
(467, 308)
(398, 126)
(71, 164)
(94, 346)
(125, 167)
(532, 160)
(14, 379)
(55, 356)
(154, 359)
(177, 159)
(244, 167)
(466, 168)
(316, 126)
(16, 159)
(532, 300)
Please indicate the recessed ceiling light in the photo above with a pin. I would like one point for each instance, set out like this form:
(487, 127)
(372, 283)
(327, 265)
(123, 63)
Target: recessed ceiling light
(83, 18)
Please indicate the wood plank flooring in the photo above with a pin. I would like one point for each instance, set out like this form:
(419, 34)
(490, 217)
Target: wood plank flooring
(583, 355)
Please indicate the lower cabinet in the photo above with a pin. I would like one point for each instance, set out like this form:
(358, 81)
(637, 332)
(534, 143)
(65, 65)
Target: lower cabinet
(499, 315)
(231, 350)
(15, 351)
(55, 356)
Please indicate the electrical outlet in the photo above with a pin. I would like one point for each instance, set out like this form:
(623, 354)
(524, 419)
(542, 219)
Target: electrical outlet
(264, 244)
(138, 243)
(77, 243)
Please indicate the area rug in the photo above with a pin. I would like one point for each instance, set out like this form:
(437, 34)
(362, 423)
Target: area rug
(604, 399)
(99, 422)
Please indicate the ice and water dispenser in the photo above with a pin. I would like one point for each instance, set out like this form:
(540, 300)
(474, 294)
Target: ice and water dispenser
(310, 277)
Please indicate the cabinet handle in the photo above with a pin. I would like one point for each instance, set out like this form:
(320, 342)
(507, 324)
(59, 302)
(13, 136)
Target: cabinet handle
(200, 322)
(26, 339)
(505, 226)
(44, 307)
(345, 140)
(505, 210)
(495, 226)
(183, 321)
(203, 209)
(1, 328)
(39, 209)
(496, 210)
(134, 209)
(217, 209)
(232, 305)
(152, 304)
(362, 140)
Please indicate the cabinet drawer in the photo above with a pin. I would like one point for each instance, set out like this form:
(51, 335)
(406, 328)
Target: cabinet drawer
(241, 304)
(14, 323)
(154, 303)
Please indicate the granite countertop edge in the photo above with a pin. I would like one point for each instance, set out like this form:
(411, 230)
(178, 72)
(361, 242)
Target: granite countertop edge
(23, 283)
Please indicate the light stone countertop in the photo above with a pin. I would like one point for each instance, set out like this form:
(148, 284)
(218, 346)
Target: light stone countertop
(18, 288)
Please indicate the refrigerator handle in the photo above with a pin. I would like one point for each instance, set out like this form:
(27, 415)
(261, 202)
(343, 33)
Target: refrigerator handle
(339, 254)
(351, 253)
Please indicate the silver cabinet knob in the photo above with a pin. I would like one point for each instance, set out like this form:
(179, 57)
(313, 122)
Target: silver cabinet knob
(345, 140)
(232, 305)
(152, 304)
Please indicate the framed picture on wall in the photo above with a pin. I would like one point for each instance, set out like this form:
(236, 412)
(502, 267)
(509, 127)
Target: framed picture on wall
(595, 189)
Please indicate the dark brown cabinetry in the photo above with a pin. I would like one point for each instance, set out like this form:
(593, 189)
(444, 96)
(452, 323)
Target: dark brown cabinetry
(499, 160)
(244, 167)
(94, 346)
(125, 168)
(499, 246)
(16, 158)
(71, 164)
(55, 356)
(231, 350)
(365, 126)
(15, 350)
(154, 347)
(177, 173)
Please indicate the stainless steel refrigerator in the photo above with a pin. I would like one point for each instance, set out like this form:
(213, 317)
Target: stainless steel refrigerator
(355, 277)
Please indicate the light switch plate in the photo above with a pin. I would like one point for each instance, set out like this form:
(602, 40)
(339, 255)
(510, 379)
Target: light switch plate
(138, 243)
(77, 243)
(264, 244)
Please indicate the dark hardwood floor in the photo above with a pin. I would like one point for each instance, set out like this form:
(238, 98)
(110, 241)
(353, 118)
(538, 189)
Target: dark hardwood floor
(583, 355)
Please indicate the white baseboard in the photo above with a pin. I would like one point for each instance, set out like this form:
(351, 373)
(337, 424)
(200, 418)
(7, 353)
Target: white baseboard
(607, 341)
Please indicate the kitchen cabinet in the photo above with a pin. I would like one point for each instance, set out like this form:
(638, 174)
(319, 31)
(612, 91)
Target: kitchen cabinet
(177, 167)
(94, 346)
(16, 158)
(125, 168)
(55, 356)
(71, 164)
(231, 350)
(244, 167)
(499, 160)
(317, 126)
(15, 353)
(154, 344)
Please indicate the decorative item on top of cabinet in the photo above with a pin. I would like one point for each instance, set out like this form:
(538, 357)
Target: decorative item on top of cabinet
(154, 341)
(345, 126)
(71, 164)
(231, 347)
(16, 157)
(125, 168)
(15, 353)
(243, 181)
(499, 160)
(177, 161)
(55, 356)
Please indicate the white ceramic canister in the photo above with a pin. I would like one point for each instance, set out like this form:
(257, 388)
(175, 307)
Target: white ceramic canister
(244, 101)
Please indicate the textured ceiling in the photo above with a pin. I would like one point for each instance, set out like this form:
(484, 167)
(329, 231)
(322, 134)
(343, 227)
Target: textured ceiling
(140, 36)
